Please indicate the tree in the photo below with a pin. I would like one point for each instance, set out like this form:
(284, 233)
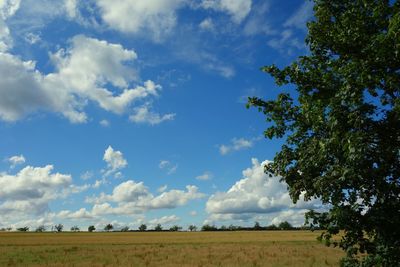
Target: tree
(175, 228)
(285, 226)
(342, 127)
(91, 228)
(40, 229)
(208, 227)
(125, 229)
(23, 229)
(257, 226)
(108, 227)
(158, 228)
(75, 228)
(192, 228)
(59, 227)
(142, 227)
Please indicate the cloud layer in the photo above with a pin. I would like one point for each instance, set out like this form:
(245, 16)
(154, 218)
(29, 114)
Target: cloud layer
(255, 193)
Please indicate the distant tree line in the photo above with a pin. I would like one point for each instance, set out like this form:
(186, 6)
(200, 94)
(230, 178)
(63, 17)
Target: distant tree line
(175, 228)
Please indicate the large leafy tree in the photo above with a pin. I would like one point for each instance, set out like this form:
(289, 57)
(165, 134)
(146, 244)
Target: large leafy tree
(342, 127)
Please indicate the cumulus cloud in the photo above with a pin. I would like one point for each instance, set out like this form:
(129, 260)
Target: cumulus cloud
(237, 144)
(238, 9)
(75, 215)
(16, 160)
(84, 71)
(134, 197)
(155, 16)
(7, 9)
(144, 114)
(115, 161)
(31, 190)
(71, 7)
(255, 193)
(205, 176)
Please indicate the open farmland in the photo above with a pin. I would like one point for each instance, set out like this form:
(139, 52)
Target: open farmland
(257, 248)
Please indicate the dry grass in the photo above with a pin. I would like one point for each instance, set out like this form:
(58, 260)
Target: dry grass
(266, 248)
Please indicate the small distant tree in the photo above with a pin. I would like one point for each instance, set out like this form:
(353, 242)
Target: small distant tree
(142, 227)
(192, 228)
(40, 229)
(158, 228)
(108, 227)
(257, 226)
(125, 229)
(272, 227)
(75, 228)
(59, 227)
(223, 228)
(175, 228)
(23, 229)
(208, 227)
(232, 227)
(91, 228)
(285, 226)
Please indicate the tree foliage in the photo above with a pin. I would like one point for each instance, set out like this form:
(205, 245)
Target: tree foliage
(192, 228)
(108, 227)
(23, 229)
(59, 227)
(158, 228)
(342, 129)
(40, 229)
(142, 227)
(91, 228)
(175, 228)
(75, 228)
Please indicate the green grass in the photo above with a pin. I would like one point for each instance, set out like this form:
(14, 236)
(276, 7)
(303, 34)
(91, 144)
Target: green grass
(296, 248)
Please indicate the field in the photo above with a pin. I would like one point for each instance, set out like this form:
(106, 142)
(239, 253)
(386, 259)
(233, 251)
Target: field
(261, 248)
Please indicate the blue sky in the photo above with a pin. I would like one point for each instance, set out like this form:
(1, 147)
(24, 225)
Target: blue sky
(131, 112)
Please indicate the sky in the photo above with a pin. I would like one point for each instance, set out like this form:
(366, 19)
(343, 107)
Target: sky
(134, 111)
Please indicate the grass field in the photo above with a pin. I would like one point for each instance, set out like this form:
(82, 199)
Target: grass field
(261, 248)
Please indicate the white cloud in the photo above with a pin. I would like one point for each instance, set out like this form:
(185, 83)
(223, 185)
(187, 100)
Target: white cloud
(104, 123)
(87, 175)
(115, 161)
(79, 214)
(71, 7)
(301, 16)
(144, 114)
(32, 38)
(286, 42)
(84, 71)
(132, 198)
(236, 145)
(164, 221)
(207, 25)
(205, 176)
(31, 190)
(7, 10)
(16, 160)
(257, 22)
(169, 166)
(255, 193)
(162, 188)
(157, 17)
(238, 9)
(193, 213)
